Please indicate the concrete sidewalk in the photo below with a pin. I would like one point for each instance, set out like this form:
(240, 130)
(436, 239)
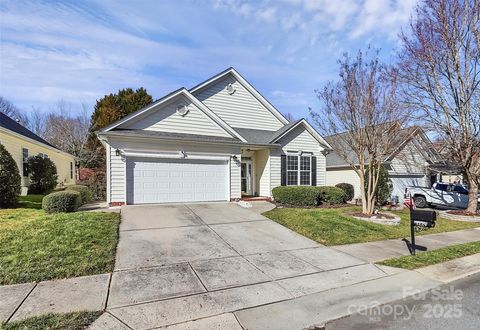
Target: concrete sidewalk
(393, 248)
(243, 271)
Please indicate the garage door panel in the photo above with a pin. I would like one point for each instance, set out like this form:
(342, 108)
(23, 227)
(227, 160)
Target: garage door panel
(163, 181)
(400, 182)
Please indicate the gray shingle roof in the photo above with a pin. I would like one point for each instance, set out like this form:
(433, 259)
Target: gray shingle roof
(256, 136)
(169, 135)
(12, 125)
(284, 129)
(334, 159)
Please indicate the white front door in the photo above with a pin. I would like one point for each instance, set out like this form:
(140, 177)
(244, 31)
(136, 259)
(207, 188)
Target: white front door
(152, 180)
(247, 177)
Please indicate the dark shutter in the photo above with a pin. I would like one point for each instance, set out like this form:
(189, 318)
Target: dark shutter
(314, 171)
(283, 169)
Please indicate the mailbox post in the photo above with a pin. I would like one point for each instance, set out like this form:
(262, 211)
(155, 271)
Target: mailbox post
(419, 220)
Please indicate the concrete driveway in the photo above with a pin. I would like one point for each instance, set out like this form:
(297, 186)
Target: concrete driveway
(179, 263)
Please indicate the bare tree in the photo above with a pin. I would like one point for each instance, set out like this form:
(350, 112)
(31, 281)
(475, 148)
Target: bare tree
(362, 114)
(69, 133)
(9, 109)
(440, 68)
(289, 116)
(36, 121)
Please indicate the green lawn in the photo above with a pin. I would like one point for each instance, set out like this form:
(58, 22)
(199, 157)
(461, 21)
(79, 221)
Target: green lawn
(30, 201)
(36, 246)
(334, 227)
(77, 321)
(433, 257)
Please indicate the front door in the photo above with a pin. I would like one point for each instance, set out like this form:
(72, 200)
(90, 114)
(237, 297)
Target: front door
(246, 175)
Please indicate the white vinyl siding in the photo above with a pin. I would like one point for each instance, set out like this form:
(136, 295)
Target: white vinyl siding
(240, 109)
(344, 175)
(408, 161)
(300, 139)
(275, 168)
(165, 118)
(117, 177)
(262, 172)
(235, 178)
(118, 170)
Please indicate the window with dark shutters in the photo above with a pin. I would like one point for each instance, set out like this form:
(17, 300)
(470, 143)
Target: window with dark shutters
(283, 170)
(298, 169)
(314, 171)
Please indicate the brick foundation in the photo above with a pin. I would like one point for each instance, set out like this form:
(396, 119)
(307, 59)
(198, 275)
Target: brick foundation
(117, 203)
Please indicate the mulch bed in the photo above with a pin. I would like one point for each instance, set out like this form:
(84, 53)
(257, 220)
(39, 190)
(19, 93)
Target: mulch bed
(321, 206)
(464, 213)
(376, 216)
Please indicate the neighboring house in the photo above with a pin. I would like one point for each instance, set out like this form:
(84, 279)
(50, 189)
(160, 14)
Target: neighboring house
(22, 143)
(414, 162)
(218, 141)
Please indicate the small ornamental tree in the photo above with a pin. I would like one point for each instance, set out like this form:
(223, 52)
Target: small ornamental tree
(383, 190)
(43, 174)
(10, 179)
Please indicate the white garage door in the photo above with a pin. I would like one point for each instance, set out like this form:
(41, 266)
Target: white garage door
(401, 182)
(152, 180)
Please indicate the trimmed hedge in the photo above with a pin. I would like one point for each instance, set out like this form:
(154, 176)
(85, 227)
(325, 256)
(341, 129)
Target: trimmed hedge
(85, 192)
(308, 195)
(62, 201)
(332, 195)
(348, 189)
(296, 195)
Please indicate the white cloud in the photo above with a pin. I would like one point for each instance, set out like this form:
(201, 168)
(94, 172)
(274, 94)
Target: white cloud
(79, 51)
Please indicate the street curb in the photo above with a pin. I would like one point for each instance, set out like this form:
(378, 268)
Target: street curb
(452, 270)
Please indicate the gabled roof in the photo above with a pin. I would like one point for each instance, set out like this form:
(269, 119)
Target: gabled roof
(10, 124)
(246, 85)
(300, 122)
(405, 136)
(181, 91)
(257, 136)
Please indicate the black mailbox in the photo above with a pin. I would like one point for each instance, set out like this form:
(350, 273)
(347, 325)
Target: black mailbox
(423, 218)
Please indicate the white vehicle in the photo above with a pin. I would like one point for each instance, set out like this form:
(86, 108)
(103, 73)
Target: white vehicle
(444, 194)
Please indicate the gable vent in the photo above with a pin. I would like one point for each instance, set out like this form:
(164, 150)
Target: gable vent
(230, 89)
(182, 109)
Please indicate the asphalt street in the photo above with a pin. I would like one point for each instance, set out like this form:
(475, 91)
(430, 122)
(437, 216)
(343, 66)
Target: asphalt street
(452, 306)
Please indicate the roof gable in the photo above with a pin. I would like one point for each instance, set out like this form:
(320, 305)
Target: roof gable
(162, 116)
(240, 104)
(165, 118)
(284, 131)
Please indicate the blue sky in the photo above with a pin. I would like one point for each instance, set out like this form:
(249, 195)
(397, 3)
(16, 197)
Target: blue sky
(79, 51)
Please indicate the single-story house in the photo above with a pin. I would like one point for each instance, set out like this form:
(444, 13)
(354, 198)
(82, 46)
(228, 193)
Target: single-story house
(22, 143)
(414, 162)
(218, 141)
